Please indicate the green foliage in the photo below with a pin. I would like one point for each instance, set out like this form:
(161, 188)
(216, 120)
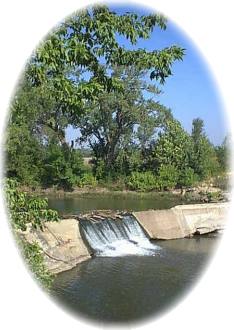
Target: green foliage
(204, 160)
(23, 155)
(167, 177)
(173, 147)
(187, 177)
(216, 196)
(115, 120)
(142, 181)
(99, 169)
(24, 209)
(223, 155)
(34, 258)
(63, 166)
(87, 180)
(76, 77)
(129, 160)
(84, 41)
(82, 77)
(36, 120)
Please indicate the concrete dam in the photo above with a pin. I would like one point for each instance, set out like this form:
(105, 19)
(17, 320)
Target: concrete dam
(71, 241)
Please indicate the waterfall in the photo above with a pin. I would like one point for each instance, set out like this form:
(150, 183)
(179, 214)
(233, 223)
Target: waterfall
(117, 237)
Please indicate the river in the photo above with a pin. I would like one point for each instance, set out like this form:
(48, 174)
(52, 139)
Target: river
(132, 288)
(115, 287)
(114, 201)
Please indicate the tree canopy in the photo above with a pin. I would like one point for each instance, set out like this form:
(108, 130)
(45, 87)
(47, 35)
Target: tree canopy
(83, 76)
(73, 55)
(116, 120)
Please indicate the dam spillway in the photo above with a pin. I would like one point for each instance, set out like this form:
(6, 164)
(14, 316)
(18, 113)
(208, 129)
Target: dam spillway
(119, 237)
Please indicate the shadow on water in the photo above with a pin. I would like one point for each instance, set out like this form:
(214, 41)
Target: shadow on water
(132, 288)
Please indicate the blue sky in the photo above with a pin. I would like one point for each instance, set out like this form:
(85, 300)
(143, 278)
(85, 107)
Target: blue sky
(191, 91)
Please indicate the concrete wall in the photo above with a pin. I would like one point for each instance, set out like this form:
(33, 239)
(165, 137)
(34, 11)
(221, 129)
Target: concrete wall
(61, 243)
(183, 220)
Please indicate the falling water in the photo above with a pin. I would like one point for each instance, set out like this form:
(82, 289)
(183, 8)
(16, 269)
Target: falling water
(117, 237)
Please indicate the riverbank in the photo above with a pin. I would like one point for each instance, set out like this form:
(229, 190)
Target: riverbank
(199, 194)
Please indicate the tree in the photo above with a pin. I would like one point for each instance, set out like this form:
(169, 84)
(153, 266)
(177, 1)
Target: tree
(24, 155)
(204, 159)
(223, 154)
(36, 150)
(35, 119)
(69, 73)
(197, 130)
(63, 166)
(173, 147)
(73, 55)
(116, 119)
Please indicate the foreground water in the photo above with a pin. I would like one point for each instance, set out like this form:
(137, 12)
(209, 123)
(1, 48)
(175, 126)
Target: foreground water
(131, 288)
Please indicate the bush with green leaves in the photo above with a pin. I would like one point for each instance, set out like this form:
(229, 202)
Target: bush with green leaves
(35, 261)
(62, 166)
(168, 176)
(187, 177)
(142, 181)
(25, 209)
(87, 179)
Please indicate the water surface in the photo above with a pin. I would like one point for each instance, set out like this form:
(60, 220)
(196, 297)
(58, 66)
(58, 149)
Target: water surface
(108, 201)
(131, 288)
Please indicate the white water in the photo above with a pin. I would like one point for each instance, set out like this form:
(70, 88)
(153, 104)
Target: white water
(117, 237)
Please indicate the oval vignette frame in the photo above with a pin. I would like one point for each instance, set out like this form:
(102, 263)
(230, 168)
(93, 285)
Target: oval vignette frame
(203, 274)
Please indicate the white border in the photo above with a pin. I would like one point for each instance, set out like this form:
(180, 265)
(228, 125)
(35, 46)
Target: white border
(23, 24)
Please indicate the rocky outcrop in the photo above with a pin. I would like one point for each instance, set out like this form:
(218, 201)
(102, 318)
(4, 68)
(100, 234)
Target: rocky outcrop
(61, 243)
(183, 220)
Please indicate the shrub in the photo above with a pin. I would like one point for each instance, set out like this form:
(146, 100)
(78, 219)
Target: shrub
(142, 181)
(23, 210)
(167, 176)
(35, 261)
(87, 179)
(187, 177)
(99, 169)
(26, 209)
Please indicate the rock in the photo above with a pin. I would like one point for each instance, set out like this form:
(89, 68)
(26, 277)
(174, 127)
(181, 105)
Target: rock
(61, 244)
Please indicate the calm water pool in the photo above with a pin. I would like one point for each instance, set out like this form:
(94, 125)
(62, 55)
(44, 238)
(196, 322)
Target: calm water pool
(121, 202)
(130, 288)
